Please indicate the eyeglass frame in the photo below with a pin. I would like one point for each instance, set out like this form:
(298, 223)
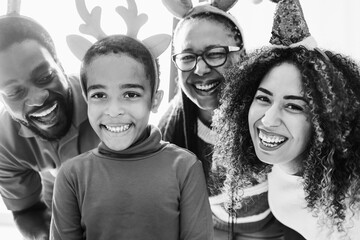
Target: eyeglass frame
(228, 49)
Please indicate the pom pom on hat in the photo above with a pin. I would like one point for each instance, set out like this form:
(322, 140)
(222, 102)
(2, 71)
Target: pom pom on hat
(289, 26)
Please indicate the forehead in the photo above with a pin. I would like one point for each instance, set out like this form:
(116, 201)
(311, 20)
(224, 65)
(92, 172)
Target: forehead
(283, 79)
(18, 61)
(197, 34)
(115, 69)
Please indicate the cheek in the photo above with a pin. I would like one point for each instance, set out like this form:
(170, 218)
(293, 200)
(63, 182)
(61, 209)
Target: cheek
(14, 108)
(302, 131)
(255, 113)
(94, 113)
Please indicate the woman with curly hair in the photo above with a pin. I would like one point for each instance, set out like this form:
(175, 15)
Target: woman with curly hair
(293, 115)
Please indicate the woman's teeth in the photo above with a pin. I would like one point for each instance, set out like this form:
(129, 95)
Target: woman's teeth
(206, 87)
(271, 140)
(44, 113)
(117, 129)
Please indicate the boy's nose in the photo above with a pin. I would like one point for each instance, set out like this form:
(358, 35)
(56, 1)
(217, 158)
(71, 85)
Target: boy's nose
(115, 109)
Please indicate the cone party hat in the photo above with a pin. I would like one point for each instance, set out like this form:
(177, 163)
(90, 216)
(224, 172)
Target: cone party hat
(289, 26)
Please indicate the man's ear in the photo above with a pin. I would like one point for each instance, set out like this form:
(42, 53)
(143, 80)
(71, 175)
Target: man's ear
(157, 98)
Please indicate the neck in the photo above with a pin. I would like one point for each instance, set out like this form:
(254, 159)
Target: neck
(292, 168)
(206, 116)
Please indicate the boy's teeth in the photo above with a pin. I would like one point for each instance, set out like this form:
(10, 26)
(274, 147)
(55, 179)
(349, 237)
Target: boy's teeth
(45, 112)
(118, 128)
(205, 87)
(270, 139)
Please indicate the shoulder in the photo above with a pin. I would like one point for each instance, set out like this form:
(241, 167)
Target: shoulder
(77, 163)
(181, 157)
(9, 130)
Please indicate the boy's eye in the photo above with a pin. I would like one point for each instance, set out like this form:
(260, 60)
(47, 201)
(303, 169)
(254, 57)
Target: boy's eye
(131, 95)
(98, 95)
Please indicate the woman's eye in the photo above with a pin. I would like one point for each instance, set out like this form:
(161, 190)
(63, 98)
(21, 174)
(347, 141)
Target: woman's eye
(261, 98)
(295, 107)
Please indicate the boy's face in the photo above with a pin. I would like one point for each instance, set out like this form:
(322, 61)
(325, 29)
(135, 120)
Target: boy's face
(119, 99)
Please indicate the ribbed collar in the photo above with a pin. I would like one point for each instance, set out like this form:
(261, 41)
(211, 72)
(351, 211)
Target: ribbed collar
(150, 143)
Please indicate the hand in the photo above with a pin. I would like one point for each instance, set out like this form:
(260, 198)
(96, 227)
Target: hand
(34, 222)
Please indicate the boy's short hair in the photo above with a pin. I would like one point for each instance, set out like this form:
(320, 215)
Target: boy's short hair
(121, 44)
(17, 29)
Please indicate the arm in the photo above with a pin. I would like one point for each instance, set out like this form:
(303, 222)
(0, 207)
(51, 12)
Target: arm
(34, 222)
(66, 221)
(196, 218)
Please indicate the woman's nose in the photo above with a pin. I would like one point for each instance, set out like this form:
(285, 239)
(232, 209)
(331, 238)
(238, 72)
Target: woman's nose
(271, 117)
(201, 68)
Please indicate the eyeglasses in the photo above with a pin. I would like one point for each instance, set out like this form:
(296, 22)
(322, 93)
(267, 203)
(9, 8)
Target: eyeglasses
(213, 57)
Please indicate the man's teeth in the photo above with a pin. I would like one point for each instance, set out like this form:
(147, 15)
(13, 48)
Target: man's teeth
(117, 129)
(206, 87)
(44, 113)
(271, 140)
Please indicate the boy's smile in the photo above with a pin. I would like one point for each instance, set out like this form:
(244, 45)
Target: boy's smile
(119, 99)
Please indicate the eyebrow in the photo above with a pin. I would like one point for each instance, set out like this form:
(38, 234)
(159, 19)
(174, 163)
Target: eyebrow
(34, 73)
(124, 86)
(287, 97)
(44, 66)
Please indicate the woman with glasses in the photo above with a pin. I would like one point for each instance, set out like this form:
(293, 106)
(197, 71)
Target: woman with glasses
(206, 42)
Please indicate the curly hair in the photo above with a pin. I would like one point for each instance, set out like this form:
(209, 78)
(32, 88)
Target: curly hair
(331, 170)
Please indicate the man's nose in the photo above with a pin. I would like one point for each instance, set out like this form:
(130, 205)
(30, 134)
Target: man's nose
(37, 97)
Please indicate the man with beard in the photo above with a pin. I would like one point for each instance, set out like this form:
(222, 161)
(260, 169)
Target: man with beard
(43, 122)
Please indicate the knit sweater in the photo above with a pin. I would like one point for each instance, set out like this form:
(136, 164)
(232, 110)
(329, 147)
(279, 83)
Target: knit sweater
(153, 190)
(180, 125)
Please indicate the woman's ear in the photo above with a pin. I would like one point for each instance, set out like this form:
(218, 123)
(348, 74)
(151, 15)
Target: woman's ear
(157, 98)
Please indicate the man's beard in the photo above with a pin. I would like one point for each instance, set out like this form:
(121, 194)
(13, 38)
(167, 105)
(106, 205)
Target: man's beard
(65, 104)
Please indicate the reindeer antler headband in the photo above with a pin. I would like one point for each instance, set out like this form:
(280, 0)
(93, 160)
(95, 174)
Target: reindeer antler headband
(157, 44)
(185, 8)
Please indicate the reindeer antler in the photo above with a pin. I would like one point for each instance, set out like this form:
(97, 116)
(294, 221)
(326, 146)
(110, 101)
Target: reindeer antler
(157, 44)
(13, 6)
(92, 20)
(131, 18)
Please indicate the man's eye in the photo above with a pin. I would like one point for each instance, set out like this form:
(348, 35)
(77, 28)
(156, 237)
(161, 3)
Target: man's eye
(47, 78)
(15, 94)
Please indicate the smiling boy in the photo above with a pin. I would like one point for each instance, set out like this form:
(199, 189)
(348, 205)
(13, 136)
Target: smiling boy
(133, 186)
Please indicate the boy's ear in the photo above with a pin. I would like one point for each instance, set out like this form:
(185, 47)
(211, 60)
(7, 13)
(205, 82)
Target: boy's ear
(157, 98)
